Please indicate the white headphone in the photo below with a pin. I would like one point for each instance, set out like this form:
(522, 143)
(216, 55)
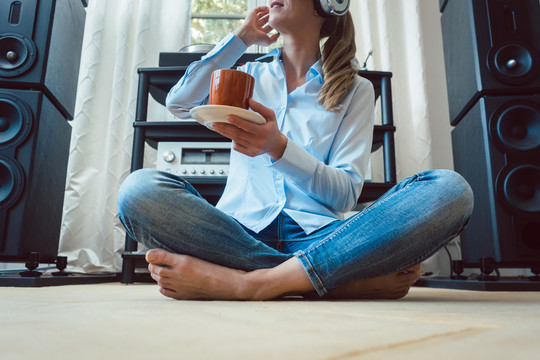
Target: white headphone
(327, 8)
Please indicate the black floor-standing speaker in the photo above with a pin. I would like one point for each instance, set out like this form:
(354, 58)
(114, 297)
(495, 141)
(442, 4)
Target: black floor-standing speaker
(497, 149)
(492, 61)
(40, 52)
(34, 149)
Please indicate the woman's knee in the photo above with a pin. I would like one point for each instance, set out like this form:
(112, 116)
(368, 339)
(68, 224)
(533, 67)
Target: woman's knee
(457, 190)
(135, 189)
(150, 191)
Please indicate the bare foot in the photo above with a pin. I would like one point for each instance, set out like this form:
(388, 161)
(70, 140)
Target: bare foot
(184, 277)
(392, 286)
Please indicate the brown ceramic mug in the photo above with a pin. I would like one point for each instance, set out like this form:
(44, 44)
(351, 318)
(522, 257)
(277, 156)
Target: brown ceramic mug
(231, 87)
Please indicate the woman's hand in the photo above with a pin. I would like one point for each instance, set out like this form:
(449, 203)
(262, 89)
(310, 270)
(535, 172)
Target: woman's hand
(255, 29)
(254, 139)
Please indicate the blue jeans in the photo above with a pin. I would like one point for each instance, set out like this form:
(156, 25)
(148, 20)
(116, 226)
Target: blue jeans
(405, 226)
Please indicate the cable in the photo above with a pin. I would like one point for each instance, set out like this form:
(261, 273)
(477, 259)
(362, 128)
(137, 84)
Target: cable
(364, 66)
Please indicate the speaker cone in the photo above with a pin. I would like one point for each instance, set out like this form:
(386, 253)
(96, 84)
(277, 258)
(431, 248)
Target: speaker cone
(17, 54)
(519, 187)
(517, 128)
(513, 63)
(11, 182)
(15, 120)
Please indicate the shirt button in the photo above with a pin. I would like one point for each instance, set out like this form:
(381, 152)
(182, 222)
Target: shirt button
(278, 177)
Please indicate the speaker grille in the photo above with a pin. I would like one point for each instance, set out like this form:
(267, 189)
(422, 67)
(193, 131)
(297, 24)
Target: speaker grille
(11, 182)
(516, 127)
(519, 187)
(513, 63)
(15, 120)
(17, 54)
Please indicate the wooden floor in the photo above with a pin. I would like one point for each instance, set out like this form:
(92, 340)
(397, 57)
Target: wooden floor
(114, 321)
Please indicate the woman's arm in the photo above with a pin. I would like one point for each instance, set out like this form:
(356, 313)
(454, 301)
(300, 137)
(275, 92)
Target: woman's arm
(337, 182)
(194, 87)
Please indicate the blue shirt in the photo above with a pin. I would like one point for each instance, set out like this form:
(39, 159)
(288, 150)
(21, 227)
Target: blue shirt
(320, 175)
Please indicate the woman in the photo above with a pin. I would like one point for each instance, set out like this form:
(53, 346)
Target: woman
(279, 227)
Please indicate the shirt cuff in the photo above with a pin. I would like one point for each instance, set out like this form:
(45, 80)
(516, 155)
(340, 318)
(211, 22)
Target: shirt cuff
(296, 163)
(229, 50)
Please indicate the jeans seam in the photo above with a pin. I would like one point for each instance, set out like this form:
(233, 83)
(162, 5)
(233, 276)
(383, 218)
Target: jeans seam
(320, 288)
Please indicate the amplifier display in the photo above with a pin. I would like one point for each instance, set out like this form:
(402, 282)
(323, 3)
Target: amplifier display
(194, 159)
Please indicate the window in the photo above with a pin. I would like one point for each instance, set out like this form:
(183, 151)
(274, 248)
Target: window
(211, 20)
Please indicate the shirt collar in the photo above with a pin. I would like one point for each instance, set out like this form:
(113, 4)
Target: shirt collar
(314, 71)
(274, 53)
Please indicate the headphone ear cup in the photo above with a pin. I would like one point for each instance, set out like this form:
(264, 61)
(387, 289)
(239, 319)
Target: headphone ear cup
(319, 8)
(327, 8)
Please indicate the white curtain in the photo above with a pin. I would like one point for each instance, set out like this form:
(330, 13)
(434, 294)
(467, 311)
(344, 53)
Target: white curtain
(120, 37)
(406, 38)
(123, 35)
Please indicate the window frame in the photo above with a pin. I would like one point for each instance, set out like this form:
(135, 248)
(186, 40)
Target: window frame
(251, 4)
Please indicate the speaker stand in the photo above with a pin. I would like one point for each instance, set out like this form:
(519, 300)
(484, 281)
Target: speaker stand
(485, 281)
(472, 283)
(12, 280)
(33, 278)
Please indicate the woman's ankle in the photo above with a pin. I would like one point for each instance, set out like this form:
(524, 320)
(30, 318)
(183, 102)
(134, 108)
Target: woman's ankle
(288, 278)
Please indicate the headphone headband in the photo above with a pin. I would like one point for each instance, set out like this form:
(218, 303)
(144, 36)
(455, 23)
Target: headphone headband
(327, 8)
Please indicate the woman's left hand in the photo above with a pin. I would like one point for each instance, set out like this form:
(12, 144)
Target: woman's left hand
(255, 29)
(254, 139)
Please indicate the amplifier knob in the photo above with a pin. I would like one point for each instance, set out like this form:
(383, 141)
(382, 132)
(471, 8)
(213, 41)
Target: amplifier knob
(169, 156)
(184, 171)
(212, 172)
(193, 171)
(203, 171)
(221, 172)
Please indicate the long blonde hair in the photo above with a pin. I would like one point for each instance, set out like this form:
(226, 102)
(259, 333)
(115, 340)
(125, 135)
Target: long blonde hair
(339, 64)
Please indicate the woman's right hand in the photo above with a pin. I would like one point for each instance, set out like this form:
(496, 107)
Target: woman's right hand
(255, 29)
